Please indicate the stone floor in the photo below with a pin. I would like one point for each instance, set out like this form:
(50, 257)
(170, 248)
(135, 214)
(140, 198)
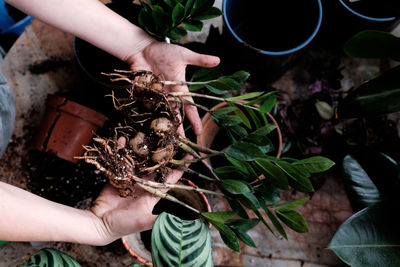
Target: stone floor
(327, 209)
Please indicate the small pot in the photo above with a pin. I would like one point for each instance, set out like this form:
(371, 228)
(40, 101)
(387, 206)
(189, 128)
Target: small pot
(66, 127)
(211, 129)
(138, 244)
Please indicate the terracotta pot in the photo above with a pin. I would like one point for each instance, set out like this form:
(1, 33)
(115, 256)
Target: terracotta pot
(211, 129)
(66, 127)
(136, 244)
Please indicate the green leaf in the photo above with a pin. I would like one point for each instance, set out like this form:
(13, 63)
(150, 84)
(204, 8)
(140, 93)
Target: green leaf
(293, 220)
(369, 238)
(250, 201)
(227, 84)
(201, 6)
(373, 44)
(230, 172)
(215, 90)
(219, 216)
(278, 226)
(268, 192)
(50, 257)
(261, 99)
(144, 19)
(238, 208)
(176, 33)
(224, 110)
(171, 3)
(244, 151)
(239, 164)
(235, 186)
(239, 130)
(193, 25)
(240, 76)
(227, 235)
(300, 180)
(268, 104)
(244, 224)
(291, 205)
(177, 242)
(178, 13)
(162, 21)
(273, 173)
(245, 238)
(243, 117)
(213, 12)
(314, 164)
(375, 97)
(245, 96)
(189, 6)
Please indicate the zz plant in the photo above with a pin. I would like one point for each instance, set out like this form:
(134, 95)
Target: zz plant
(250, 180)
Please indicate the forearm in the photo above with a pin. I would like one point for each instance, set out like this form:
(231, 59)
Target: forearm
(91, 21)
(27, 217)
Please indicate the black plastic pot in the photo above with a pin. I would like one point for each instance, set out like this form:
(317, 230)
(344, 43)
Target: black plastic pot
(263, 38)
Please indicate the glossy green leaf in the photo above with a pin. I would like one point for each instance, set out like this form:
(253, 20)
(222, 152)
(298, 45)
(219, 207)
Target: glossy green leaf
(261, 99)
(177, 242)
(239, 130)
(211, 13)
(299, 179)
(228, 83)
(314, 164)
(224, 110)
(171, 3)
(201, 6)
(268, 192)
(178, 13)
(245, 238)
(176, 33)
(162, 21)
(278, 226)
(243, 117)
(50, 257)
(229, 120)
(244, 224)
(249, 200)
(244, 151)
(375, 97)
(245, 96)
(235, 186)
(240, 76)
(215, 90)
(369, 238)
(273, 173)
(238, 208)
(228, 236)
(193, 25)
(188, 6)
(268, 104)
(230, 172)
(293, 220)
(291, 205)
(373, 44)
(219, 216)
(239, 164)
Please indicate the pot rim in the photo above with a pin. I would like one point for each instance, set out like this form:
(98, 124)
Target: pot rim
(75, 109)
(364, 16)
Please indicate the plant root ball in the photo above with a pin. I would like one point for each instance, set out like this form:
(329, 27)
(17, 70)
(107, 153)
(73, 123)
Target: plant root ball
(161, 126)
(140, 145)
(163, 154)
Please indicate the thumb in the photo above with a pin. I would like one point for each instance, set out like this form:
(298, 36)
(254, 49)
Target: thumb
(201, 60)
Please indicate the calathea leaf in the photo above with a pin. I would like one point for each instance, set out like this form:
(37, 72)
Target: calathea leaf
(50, 257)
(177, 242)
(369, 238)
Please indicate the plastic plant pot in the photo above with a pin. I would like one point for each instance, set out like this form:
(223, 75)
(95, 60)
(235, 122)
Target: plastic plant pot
(66, 127)
(263, 37)
(139, 245)
(8, 25)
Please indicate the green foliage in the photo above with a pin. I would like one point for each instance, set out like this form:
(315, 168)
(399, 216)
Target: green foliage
(50, 257)
(177, 242)
(173, 18)
(371, 236)
(375, 97)
(373, 44)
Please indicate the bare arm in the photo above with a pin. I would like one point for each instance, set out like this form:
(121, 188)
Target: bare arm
(90, 20)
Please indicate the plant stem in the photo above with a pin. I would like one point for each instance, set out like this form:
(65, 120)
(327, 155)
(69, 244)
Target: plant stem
(166, 196)
(177, 94)
(186, 83)
(200, 175)
(198, 147)
(175, 186)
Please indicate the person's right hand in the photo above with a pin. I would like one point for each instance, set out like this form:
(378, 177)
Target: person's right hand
(170, 61)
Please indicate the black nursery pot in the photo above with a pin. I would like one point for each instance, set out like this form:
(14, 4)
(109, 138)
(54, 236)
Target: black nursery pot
(263, 37)
(94, 61)
(343, 19)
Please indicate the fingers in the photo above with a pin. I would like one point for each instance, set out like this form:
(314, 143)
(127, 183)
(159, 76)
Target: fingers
(201, 60)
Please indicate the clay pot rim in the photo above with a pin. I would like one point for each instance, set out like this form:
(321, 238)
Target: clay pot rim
(148, 263)
(207, 119)
(75, 109)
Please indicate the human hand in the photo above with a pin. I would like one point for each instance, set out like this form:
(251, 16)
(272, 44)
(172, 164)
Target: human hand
(170, 61)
